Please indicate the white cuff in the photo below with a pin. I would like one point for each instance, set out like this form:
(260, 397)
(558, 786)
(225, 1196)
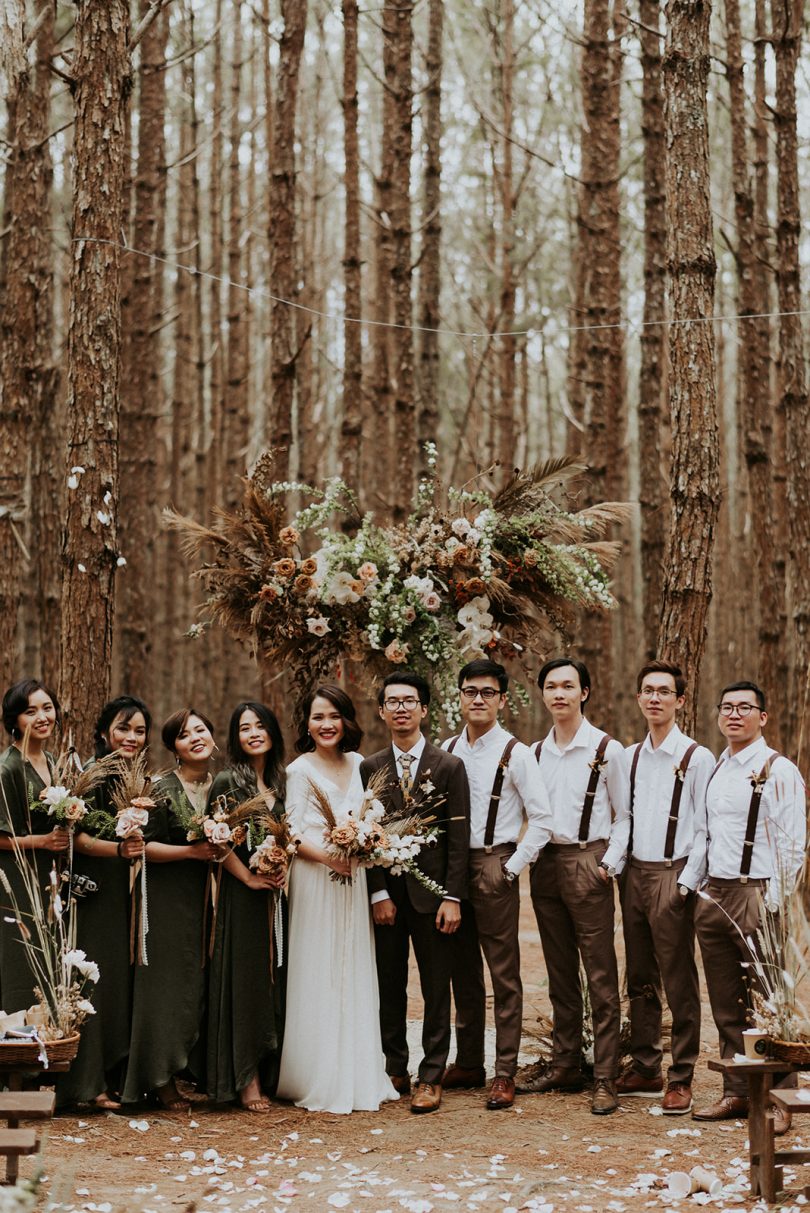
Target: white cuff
(380, 895)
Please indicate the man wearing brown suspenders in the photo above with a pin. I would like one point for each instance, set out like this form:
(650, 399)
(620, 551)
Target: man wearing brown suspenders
(668, 777)
(755, 828)
(505, 789)
(572, 882)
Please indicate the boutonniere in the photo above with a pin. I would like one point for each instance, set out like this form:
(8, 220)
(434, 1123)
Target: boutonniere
(598, 764)
(758, 779)
(427, 785)
(680, 773)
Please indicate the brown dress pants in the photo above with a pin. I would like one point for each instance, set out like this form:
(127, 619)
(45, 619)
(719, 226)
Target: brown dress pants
(724, 952)
(574, 909)
(489, 921)
(659, 941)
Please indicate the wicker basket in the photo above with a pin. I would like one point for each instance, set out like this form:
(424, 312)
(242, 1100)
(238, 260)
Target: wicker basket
(795, 1052)
(20, 1052)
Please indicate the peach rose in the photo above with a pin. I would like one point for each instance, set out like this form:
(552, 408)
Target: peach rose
(397, 651)
(268, 593)
(302, 583)
(367, 571)
(344, 835)
(308, 567)
(460, 554)
(288, 536)
(530, 558)
(284, 567)
(475, 586)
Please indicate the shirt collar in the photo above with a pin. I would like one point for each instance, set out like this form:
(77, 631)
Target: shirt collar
(749, 754)
(668, 745)
(493, 735)
(582, 738)
(416, 749)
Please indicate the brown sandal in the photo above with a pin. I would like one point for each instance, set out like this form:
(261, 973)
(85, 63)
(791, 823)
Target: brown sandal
(261, 1105)
(170, 1100)
(106, 1103)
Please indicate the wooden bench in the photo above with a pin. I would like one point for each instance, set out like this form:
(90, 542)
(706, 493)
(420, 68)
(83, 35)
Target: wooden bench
(14, 1141)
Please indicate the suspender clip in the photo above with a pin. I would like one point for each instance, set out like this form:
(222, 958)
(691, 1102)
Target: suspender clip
(583, 842)
(667, 863)
(487, 850)
(743, 880)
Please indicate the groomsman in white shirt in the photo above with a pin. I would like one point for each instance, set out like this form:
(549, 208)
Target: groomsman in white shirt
(668, 777)
(586, 777)
(755, 825)
(505, 789)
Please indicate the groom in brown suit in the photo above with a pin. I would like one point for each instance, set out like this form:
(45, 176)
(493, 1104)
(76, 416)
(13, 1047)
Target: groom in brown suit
(402, 908)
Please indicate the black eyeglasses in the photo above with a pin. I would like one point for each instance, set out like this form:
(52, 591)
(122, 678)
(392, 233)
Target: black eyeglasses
(409, 703)
(741, 709)
(473, 692)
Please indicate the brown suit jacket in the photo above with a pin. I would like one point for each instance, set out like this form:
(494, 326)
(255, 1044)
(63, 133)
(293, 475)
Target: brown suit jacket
(446, 862)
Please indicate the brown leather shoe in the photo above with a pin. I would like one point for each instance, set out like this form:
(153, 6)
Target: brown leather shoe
(678, 1099)
(459, 1078)
(401, 1083)
(501, 1093)
(782, 1120)
(426, 1097)
(560, 1079)
(604, 1098)
(633, 1083)
(730, 1107)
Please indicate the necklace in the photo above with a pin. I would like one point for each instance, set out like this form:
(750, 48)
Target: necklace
(197, 789)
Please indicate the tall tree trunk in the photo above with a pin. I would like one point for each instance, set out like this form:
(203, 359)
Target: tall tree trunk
(141, 405)
(653, 370)
(90, 550)
(28, 379)
(692, 390)
(508, 345)
(753, 371)
(397, 52)
(352, 417)
(285, 339)
(429, 300)
(786, 31)
(235, 395)
(379, 459)
(605, 419)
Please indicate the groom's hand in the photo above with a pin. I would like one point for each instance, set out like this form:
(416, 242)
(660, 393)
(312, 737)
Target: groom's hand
(384, 912)
(448, 918)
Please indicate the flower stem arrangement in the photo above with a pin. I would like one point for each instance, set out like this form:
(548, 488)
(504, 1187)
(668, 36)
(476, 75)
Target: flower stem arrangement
(66, 798)
(130, 796)
(370, 837)
(473, 571)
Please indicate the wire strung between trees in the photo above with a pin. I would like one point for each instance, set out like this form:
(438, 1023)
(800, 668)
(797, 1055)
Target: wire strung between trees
(341, 318)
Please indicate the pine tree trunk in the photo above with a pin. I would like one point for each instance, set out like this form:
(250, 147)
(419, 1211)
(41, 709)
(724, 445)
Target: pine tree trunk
(141, 403)
(235, 395)
(508, 345)
(28, 380)
(352, 419)
(653, 370)
(786, 22)
(283, 240)
(692, 391)
(90, 550)
(429, 300)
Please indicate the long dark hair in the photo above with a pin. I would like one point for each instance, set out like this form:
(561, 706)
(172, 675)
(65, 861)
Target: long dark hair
(16, 700)
(125, 706)
(352, 733)
(273, 773)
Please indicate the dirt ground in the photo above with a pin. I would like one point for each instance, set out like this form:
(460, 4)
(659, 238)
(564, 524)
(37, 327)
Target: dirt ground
(546, 1154)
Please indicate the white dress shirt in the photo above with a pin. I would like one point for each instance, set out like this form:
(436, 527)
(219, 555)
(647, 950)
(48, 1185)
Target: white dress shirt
(778, 851)
(654, 786)
(566, 772)
(522, 795)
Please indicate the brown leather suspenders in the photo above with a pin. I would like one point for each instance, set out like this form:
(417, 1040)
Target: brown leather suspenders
(675, 803)
(497, 788)
(758, 782)
(590, 793)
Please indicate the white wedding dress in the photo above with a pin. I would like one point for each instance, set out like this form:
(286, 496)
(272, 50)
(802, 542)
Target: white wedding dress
(332, 1058)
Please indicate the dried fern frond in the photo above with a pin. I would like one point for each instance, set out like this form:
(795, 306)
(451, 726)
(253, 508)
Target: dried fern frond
(527, 489)
(68, 772)
(323, 804)
(133, 782)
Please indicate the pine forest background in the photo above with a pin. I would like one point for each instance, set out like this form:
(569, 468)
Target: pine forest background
(567, 227)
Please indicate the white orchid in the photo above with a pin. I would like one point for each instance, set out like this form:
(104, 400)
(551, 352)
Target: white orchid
(341, 589)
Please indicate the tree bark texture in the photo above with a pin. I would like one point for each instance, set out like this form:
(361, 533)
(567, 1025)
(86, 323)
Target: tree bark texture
(90, 548)
(694, 475)
(352, 417)
(429, 302)
(235, 396)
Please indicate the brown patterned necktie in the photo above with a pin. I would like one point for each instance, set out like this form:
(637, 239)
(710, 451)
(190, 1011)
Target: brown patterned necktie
(406, 783)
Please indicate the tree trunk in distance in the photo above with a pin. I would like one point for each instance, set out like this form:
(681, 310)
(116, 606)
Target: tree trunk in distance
(351, 428)
(786, 31)
(429, 299)
(90, 549)
(692, 391)
(235, 394)
(653, 370)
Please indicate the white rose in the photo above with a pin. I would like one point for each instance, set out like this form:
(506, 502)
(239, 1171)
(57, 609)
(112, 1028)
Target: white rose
(54, 795)
(340, 589)
(217, 832)
(130, 821)
(318, 625)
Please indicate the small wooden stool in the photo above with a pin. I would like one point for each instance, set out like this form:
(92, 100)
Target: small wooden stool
(14, 1141)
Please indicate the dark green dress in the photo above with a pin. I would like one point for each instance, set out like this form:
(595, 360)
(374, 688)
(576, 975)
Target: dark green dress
(102, 930)
(20, 788)
(245, 996)
(169, 992)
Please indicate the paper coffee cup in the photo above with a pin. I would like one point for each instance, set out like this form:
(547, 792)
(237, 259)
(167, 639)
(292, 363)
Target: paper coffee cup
(755, 1043)
(707, 1181)
(681, 1184)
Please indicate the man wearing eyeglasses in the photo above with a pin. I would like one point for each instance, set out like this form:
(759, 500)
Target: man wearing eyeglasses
(668, 777)
(420, 775)
(505, 790)
(755, 836)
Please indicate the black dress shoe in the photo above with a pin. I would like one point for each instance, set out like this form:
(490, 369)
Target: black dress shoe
(401, 1083)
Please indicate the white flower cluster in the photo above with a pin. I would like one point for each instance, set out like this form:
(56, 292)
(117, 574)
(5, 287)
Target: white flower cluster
(63, 805)
(399, 854)
(87, 969)
(477, 625)
(130, 821)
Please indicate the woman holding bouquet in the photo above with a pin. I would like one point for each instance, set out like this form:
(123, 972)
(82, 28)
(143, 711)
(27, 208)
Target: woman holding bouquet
(332, 1060)
(244, 991)
(103, 921)
(168, 1000)
(30, 716)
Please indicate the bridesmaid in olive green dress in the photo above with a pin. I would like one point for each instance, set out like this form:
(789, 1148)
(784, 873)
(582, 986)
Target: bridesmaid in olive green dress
(244, 1029)
(168, 1000)
(103, 924)
(30, 715)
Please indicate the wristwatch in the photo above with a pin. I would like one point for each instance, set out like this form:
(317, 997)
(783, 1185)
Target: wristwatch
(611, 872)
(509, 876)
(684, 890)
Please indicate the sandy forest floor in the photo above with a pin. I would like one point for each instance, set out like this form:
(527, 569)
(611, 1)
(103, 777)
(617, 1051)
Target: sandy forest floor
(548, 1154)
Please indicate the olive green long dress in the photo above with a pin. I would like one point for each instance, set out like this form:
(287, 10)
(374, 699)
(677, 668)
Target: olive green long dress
(168, 999)
(245, 991)
(102, 928)
(20, 788)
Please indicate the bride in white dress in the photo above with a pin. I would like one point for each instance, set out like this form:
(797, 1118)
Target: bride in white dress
(332, 1058)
